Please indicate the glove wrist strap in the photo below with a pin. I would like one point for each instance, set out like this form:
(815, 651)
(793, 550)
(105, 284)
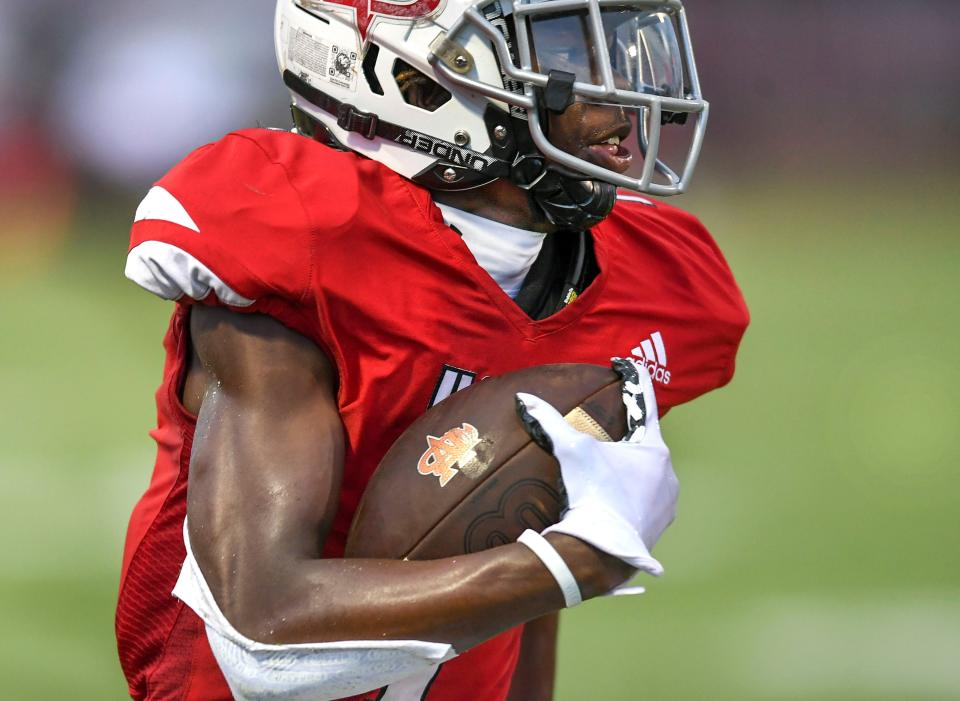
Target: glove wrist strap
(553, 562)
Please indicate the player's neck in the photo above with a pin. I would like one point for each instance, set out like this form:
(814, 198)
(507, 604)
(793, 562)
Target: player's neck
(500, 201)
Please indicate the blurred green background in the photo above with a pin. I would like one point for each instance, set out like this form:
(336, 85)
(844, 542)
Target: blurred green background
(817, 552)
(815, 556)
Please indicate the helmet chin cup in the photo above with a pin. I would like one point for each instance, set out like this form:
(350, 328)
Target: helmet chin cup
(573, 204)
(566, 201)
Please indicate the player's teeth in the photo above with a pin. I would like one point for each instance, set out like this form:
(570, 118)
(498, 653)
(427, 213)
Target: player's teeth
(614, 140)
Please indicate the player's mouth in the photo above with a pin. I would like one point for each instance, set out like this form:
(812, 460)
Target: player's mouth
(608, 151)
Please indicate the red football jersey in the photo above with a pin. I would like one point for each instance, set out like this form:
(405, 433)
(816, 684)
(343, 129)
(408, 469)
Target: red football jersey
(358, 259)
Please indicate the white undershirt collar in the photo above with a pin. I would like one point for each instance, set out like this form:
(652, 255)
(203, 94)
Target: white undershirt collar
(505, 252)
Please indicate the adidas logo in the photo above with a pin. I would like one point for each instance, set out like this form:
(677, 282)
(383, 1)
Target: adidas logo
(653, 354)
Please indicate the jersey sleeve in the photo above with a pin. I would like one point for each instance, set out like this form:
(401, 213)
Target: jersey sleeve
(226, 227)
(697, 286)
(710, 279)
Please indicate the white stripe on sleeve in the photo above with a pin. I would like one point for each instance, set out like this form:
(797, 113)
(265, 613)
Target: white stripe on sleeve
(170, 272)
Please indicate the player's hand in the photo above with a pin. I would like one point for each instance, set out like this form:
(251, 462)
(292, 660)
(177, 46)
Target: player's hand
(621, 495)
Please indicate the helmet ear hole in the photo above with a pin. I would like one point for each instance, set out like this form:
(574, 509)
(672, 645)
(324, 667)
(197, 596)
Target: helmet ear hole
(417, 89)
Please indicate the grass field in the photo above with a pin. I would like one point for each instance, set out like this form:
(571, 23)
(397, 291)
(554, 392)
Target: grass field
(816, 555)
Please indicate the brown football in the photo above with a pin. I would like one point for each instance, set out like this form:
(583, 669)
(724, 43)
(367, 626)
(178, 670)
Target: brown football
(466, 476)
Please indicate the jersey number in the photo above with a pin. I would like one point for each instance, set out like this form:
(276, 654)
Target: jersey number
(451, 380)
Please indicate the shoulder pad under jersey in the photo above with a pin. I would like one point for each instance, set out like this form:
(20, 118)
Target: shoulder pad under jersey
(698, 270)
(226, 225)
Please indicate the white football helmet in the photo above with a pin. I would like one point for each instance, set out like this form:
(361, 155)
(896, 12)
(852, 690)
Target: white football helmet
(504, 65)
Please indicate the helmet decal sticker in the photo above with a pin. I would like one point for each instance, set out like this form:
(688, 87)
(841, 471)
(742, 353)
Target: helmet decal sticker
(336, 64)
(368, 10)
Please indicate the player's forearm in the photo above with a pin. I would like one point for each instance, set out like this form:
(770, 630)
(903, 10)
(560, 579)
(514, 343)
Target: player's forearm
(265, 475)
(462, 601)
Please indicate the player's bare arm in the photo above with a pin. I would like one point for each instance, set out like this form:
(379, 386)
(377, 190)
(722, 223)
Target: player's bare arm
(269, 447)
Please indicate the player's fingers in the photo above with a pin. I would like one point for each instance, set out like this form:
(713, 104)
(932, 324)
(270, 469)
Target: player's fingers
(639, 398)
(544, 423)
(649, 398)
(650, 565)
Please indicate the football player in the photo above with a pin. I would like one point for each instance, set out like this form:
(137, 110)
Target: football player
(458, 199)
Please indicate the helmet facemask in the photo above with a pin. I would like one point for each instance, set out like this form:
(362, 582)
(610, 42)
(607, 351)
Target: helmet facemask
(632, 55)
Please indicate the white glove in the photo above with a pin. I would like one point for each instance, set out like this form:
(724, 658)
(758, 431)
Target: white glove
(621, 495)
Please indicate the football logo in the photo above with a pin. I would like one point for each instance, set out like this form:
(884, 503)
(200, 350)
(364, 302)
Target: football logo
(367, 10)
(449, 453)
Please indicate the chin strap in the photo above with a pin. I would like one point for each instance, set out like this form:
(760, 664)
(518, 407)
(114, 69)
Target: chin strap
(571, 203)
(567, 200)
(455, 168)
